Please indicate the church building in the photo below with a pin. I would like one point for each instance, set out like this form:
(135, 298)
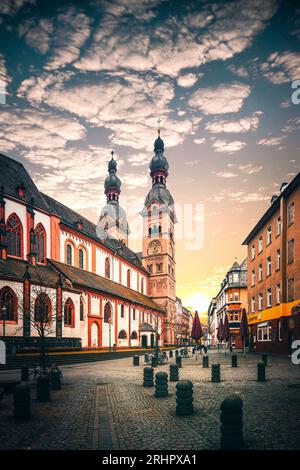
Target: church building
(82, 279)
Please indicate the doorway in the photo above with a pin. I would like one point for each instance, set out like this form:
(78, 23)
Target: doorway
(144, 341)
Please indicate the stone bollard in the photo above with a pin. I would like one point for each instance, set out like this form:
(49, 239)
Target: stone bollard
(22, 401)
(25, 374)
(232, 423)
(261, 372)
(55, 378)
(43, 387)
(264, 358)
(136, 360)
(179, 361)
(170, 354)
(234, 360)
(148, 377)
(174, 373)
(205, 362)
(215, 373)
(184, 398)
(161, 384)
(154, 361)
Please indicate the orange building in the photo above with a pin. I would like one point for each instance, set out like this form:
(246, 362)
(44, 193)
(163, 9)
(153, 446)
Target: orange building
(274, 273)
(230, 301)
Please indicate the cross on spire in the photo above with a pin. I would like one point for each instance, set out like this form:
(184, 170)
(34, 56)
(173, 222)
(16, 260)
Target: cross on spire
(158, 126)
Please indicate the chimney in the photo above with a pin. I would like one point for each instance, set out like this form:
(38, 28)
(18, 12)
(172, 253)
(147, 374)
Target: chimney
(273, 198)
(283, 186)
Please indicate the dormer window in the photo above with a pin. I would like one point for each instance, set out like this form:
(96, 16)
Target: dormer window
(79, 224)
(21, 190)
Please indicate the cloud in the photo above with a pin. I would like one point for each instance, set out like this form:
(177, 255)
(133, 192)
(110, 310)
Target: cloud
(11, 7)
(176, 42)
(250, 169)
(125, 105)
(225, 146)
(139, 159)
(241, 126)
(189, 79)
(37, 33)
(220, 99)
(292, 125)
(281, 68)
(72, 30)
(239, 70)
(34, 129)
(271, 141)
(199, 141)
(224, 174)
(240, 197)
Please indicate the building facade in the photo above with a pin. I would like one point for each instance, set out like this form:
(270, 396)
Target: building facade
(183, 323)
(158, 255)
(274, 273)
(96, 290)
(230, 301)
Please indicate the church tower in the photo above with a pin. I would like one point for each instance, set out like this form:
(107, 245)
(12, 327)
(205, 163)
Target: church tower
(113, 220)
(158, 254)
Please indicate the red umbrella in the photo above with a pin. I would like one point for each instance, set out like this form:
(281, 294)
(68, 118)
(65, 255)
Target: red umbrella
(196, 328)
(226, 330)
(244, 328)
(220, 331)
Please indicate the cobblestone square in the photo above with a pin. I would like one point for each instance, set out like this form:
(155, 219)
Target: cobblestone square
(104, 406)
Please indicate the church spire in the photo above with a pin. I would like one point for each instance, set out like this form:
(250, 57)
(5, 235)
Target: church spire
(159, 165)
(112, 184)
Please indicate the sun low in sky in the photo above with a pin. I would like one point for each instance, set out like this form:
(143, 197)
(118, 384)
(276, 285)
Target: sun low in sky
(78, 78)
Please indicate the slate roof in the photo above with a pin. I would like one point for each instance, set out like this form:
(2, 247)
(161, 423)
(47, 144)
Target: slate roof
(100, 284)
(12, 174)
(14, 269)
(161, 194)
(70, 217)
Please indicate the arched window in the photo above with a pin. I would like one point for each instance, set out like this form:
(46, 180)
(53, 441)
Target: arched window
(40, 243)
(142, 285)
(69, 254)
(42, 309)
(14, 236)
(107, 268)
(9, 302)
(69, 313)
(81, 258)
(107, 313)
(128, 278)
(81, 309)
(134, 335)
(122, 334)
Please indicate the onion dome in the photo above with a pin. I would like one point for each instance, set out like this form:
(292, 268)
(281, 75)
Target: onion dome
(159, 145)
(159, 165)
(112, 184)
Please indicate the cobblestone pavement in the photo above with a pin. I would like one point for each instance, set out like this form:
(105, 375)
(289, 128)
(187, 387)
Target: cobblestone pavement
(138, 420)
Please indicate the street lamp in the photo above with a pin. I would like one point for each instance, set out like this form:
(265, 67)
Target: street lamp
(109, 327)
(3, 319)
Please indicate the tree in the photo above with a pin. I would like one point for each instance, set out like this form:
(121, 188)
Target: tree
(40, 314)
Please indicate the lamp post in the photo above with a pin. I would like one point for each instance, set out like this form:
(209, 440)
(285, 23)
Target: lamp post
(109, 343)
(3, 319)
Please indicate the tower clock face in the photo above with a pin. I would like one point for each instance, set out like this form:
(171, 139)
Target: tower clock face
(154, 247)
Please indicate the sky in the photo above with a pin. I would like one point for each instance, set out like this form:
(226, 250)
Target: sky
(80, 78)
